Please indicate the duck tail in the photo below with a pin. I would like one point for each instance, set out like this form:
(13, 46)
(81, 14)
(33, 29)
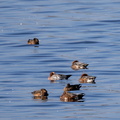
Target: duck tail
(85, 66)
(80, 85)
(67, 76)
(80, 95)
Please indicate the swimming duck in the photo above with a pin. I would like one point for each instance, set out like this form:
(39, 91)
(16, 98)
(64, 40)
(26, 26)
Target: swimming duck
(71, 97)
(72, 87)
(76, 65)
(85, 78)
(40, 93)
(33, 41)
(54, 76)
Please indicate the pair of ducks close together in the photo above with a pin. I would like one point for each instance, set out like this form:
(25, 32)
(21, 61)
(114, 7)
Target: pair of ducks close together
(85, 78)
(66, 96)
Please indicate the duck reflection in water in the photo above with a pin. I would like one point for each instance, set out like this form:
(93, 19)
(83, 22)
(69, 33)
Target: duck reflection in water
(76, 65)
(71, 97)
(40, 97)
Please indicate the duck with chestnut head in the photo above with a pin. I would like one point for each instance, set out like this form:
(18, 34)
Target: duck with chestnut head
(71, 97)
(40, 94)
(76, 65)
(54, 76)
(85, 78)
(33, 41)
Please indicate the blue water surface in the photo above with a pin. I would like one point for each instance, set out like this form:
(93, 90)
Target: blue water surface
(68, 30)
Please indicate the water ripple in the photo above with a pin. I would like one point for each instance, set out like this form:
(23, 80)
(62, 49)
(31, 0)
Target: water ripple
(87, 31)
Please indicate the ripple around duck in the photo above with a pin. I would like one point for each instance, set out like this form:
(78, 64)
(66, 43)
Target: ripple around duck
(84, 42)
(4, 97)
(94, 24)
(40, 12)
(111, 21)
(55, 61)
(20, 33)
(22, 45)
(10, 81)
(108, 72)
(40, 56)
(7, 44)
(45, 105)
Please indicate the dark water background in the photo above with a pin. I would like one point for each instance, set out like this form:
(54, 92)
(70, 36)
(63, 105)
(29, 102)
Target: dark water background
(88, 31)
